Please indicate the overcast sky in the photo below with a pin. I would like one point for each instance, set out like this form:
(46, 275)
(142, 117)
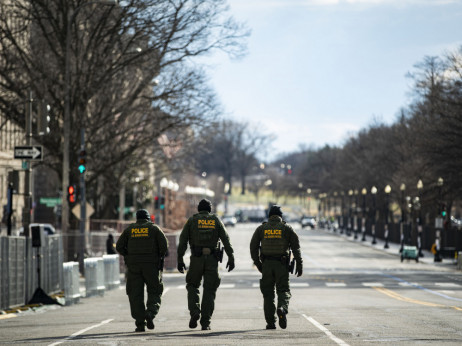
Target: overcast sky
(318, 71)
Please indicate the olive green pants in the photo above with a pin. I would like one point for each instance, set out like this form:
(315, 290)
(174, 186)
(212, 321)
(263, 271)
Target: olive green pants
(138, 275)
(274, 273)
(205, 266)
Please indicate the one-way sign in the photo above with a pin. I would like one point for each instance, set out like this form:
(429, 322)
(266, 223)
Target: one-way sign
(28, 152)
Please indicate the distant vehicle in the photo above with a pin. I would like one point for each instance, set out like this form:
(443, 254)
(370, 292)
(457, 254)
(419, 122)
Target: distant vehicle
(251, 215)
(47, 228)
(308, 221)
(229, 220)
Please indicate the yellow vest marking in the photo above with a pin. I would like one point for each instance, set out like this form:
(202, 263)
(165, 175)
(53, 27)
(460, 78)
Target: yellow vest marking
(140, 232)
(209, 224)
(272, 233)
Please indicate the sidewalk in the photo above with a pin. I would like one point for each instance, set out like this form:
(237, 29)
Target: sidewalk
(394, 248)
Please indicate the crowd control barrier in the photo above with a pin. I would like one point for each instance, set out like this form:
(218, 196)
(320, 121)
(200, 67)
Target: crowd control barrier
(94, 276)
(71, 282)
(19, 263)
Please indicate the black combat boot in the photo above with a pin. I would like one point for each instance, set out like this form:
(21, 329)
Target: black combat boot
(270, 326)
(193, 321)
(149, 321)
(282, 318)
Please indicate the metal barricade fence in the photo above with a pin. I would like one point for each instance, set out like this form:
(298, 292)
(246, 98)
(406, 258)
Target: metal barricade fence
(94, 276)
(111, 271)
(3, 274)
(71, 282)
(16, 271)
(19, 270)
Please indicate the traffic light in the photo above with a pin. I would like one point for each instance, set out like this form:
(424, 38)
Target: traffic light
(43, 118)
(82, 161)
(71, 197)
(162, 202)
(156, 202)
(443, 211)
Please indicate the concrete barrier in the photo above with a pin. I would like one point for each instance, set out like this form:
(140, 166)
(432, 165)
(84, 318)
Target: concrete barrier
(94, 276)
(111, 271)
(71, 282)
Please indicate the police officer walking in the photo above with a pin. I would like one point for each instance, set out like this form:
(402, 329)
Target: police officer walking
(203, 231)
(143, 245)
(269, 248)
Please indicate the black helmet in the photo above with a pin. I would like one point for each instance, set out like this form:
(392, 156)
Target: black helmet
(142, 214)
(204, 204)
(275, 210)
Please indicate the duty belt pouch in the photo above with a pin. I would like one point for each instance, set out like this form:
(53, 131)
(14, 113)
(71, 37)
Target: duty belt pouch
(206, 251)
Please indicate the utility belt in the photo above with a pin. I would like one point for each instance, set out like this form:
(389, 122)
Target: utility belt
(284, 259)
(199, 251)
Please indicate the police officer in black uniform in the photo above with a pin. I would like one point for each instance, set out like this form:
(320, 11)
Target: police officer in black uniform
(269, 249)
(143, 245)
(203, 231)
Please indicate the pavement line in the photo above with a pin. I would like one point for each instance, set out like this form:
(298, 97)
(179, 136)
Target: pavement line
(372, 284)
(446, 284)
(4, 317)
(335, 284)
(81, 332)
(326, 331)
(422, 288)
(165, 291)
(299, 284)
(410, 300)
(227, 285)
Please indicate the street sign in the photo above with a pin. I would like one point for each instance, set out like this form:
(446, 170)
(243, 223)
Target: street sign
(50, 201)
(88, 207)
(33, 152)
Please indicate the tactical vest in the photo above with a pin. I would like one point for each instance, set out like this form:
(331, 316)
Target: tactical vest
(274, 240)
(204, 230)
(141, 242)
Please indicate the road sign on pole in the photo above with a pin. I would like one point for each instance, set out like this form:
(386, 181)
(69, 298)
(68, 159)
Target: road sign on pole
(33, 152)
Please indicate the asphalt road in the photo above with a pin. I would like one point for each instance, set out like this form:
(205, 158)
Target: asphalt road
(351, 293)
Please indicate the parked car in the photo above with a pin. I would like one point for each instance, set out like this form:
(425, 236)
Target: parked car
(308, 221)
(48, 228)
(229, 220)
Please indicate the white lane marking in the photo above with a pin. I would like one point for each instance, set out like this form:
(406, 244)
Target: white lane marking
(407, 284)
(326, 331)
(335, 284)
(227, 285)
(165, 291)
(446, 284)
(311, 260)
(181, 287)
(81, 332)
(299, 284)
(255, 284)
(372, 284)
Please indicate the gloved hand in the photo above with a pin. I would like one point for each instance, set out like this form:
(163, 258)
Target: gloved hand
(259, 266)
(181, 267)
(299, 269)
(230, 264)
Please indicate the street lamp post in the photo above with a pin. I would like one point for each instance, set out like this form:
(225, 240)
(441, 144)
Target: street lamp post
(402, 188)
(356, 223)
(439, 221)
(373, 192)
(342, 213)
(363, 219)
(350, 212)
(420, 221)
(387, 212)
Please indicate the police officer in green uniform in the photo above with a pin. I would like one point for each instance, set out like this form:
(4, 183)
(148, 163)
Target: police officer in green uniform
(269, 249)
(203, 231)
(143, 245)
